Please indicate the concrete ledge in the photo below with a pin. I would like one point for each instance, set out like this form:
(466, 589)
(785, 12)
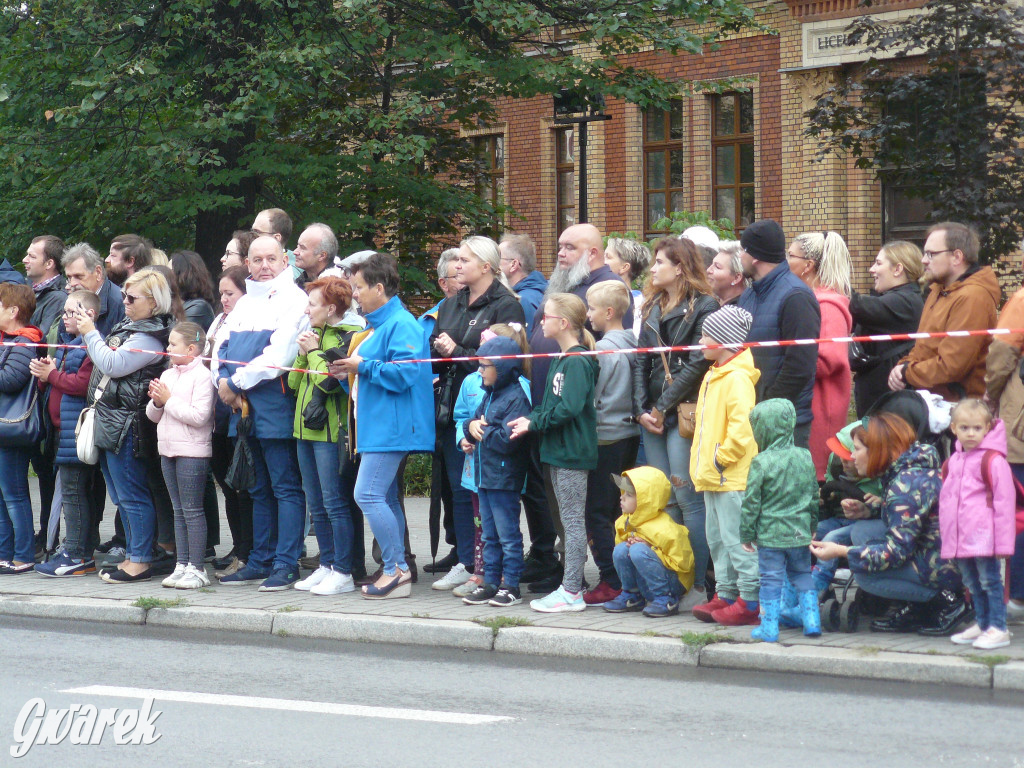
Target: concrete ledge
(843, 662)
(229, 619)
(77, 608)
(384, 629)
(1009, 676)
(605, 646)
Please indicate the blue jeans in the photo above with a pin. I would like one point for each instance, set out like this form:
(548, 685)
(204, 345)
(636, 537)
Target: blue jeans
(278, 506)
(838, 530)
(129, 492)
(776, 563)
(1017, 561)
(984, 577)
(17, 535)
(462, 502)
(502, 535)
(671, 454)
(377, 495)
(332, 519)
(642, 572)
(894, 583)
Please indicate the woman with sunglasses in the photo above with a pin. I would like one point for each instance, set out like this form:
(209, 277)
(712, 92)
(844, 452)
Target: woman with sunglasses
(124, 364)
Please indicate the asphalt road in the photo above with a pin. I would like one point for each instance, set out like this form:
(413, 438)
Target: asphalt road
(235, 700)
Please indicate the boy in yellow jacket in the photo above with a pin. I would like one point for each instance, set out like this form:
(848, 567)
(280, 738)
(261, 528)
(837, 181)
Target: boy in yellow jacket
(652, 552)
(723, 446)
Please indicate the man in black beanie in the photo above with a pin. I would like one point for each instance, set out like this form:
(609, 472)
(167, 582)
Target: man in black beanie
(783, 308)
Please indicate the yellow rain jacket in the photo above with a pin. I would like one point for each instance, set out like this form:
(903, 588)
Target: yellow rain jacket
(669, 540)
(723, 443)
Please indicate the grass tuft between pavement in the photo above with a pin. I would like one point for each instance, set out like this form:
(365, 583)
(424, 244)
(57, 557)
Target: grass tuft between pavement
(155, 602)
(700, 639)
(497, 623)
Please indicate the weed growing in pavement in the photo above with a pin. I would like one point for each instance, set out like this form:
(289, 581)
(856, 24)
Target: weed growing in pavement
(282, 633)
(700, 639)
(497, 623)
(420, 615)
(869, 650)
(990, 661)
(207, 590)
(289, 608)
(155, 602)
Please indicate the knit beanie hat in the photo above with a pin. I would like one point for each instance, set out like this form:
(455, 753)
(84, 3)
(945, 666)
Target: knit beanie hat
(765, 241)
(729, 325)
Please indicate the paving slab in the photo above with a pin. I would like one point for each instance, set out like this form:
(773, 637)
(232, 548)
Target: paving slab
(545, 641)
(384, 629)
(73, 608)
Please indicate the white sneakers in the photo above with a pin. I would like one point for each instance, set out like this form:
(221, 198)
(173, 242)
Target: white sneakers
(307, 584)
(986, 640)
(187, 577)
(172, 581)
(456, 576)
(335, 583)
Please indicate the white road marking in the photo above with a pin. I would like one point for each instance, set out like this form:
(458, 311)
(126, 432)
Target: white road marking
(320, 707)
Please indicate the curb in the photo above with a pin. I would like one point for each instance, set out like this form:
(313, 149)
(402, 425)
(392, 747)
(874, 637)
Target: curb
(889, 666)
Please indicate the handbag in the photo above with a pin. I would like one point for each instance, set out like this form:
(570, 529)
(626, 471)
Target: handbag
(686, 413)
(444, 399)
(241, 474)
(21, 421)
(85, 429)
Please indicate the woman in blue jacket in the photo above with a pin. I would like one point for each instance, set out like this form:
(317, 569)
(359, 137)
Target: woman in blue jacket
(394, 404)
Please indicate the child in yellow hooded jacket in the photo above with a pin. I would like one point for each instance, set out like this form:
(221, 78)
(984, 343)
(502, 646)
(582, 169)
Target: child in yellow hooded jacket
(652, 552)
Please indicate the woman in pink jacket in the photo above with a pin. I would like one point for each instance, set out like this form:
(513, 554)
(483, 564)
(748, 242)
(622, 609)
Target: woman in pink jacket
(181, 404)
(977, 511)
(822, 260)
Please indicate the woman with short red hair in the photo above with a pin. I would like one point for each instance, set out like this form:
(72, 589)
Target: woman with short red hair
(898, 556)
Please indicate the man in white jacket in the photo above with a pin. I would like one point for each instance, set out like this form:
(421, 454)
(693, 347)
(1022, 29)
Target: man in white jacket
(262, 330)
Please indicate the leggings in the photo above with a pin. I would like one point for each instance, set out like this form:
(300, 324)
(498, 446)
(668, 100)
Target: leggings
(571, 491)
(185, 478)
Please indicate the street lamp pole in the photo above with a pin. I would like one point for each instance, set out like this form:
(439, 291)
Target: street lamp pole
(579, 107)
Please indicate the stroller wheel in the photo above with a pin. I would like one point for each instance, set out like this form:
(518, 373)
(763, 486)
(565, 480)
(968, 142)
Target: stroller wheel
(830, 614)
(849, 615)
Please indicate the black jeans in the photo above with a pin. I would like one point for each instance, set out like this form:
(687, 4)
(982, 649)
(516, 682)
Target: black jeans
(81, 538)
(603, 503)
(349, 471)
(539, 519)
(237, 504)
(42, 463)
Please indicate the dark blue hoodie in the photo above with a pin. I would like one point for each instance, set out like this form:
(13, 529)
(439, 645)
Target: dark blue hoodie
(9, 274)
(530, 291)
(501, 464)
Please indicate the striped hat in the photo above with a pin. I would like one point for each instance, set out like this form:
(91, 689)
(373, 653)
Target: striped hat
(729, 325)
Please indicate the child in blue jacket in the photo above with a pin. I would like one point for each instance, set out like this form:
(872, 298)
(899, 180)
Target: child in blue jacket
(500, 470)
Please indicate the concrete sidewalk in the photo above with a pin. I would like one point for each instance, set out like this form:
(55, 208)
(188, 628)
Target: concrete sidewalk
(438, 619)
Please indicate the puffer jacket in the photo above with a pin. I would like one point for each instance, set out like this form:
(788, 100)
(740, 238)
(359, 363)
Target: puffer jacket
(969, 526)
(14, 370)
(121, 409)
(1002, 376)
(723, 443)
(466, 405)
(910, 511)
(184, 426)
(780, 507)
(955, 367)
(66, 388)
(680, 326)
(669, 540)
(499, 464)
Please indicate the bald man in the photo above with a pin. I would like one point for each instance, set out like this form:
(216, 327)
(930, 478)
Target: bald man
(580, 265)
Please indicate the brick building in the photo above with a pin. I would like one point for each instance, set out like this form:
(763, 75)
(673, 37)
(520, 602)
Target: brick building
(739, 154)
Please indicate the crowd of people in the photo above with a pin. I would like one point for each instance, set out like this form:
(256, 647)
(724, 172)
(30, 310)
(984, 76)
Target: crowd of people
(701, 474)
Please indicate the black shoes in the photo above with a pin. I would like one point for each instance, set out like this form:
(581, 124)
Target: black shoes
(443, 565)
(901, 617)
(944, 613)
(541, 567)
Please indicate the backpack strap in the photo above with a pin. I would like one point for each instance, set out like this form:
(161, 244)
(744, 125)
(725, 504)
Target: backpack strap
(986, 474)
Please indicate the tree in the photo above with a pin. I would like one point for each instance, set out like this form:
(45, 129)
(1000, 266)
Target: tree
(942, 115)
(180, 118)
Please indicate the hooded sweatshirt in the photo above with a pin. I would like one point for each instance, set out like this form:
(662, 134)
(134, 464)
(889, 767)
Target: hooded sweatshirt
(780, 508)
(617, 400)
(723, 444)
(969, 524)
(954, 367)
(649, 521)
(566, 418)
(499, 464)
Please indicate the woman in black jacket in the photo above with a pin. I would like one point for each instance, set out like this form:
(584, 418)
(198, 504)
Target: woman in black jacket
(894, 306)
(482, 301)
(677, 298)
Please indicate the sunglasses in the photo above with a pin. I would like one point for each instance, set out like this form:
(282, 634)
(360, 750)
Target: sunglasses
(132, 299)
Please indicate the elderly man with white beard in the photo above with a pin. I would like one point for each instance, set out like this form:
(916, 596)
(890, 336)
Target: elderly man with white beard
(580, 265)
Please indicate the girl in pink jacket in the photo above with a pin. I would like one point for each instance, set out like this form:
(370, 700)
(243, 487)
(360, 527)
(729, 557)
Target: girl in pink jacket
(181, 404)
(977, 510)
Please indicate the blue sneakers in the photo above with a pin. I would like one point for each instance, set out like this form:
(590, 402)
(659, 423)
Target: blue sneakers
(245, 575)
(279, 580)
(661, 606)
(65, 565)
(626, 602)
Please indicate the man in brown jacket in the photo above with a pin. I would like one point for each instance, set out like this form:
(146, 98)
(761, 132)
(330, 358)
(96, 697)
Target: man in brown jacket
(963, 296)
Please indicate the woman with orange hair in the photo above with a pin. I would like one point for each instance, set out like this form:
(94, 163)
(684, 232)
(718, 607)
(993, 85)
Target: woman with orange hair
(897, 556)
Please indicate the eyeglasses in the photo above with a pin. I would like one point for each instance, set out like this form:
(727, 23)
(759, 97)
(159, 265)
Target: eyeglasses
(486, 365)
(229, 254)
(933, 254)
(262, 233)
(129, 299)
(70, 312)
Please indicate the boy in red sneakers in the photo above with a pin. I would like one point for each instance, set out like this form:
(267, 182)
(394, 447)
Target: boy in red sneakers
(723, 447)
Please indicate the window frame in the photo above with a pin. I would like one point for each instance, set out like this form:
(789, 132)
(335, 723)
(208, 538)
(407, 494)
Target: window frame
(563, 166)
(737, 140)
(667, 145)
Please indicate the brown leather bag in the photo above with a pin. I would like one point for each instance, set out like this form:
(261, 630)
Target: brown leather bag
(685, 412)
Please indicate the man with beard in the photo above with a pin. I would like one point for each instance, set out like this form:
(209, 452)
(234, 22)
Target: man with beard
(580, 265)
(128, 255)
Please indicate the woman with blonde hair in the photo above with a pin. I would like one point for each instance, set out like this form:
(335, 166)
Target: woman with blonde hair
(894, 306)
(677, 298)
(822, 261)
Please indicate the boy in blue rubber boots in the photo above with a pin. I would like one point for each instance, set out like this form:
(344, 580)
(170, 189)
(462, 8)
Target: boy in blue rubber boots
(779, 513)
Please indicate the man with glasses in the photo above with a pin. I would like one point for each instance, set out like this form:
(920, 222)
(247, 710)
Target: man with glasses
(275, 223)
(519, 265)
(963, 296)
